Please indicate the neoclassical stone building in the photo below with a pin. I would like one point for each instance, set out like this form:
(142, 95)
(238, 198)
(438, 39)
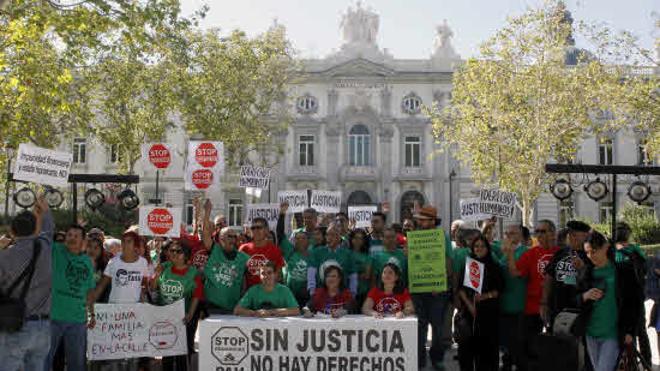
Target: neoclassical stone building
(359, 128)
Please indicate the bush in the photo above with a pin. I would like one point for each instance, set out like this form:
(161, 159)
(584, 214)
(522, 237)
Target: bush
(112, 219)
(643, 223)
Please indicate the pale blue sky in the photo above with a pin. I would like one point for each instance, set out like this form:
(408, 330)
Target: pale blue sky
(407, 26)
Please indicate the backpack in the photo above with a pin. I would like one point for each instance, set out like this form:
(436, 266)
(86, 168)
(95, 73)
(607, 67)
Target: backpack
(638, 265)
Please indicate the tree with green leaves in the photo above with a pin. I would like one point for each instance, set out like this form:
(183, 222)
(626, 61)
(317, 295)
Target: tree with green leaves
(234, 88)
(531, 97)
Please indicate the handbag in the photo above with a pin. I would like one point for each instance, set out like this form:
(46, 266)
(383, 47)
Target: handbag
(12, 310)
(630, 360)
(462, 328)
(570, 322)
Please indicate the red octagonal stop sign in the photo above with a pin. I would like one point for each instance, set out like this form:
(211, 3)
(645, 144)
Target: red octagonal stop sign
(475, 274)
(206, 154)
(159, 156)
(160, 221)
(202, 178)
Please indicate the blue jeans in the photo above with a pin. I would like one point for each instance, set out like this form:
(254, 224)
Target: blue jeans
(27, 349)
(430, 310)
(74, 336)
(603, 353)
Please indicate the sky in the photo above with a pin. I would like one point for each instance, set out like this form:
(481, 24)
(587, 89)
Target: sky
(407, 27)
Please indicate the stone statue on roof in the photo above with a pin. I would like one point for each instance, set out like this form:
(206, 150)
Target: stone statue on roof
(443, 49)
(359, 26)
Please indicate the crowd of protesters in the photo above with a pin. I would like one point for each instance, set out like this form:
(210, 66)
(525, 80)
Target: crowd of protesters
(328, 267)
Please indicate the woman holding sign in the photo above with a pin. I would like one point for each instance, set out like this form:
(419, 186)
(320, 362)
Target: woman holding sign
(390, 297)
(479, 310)
(174, 281)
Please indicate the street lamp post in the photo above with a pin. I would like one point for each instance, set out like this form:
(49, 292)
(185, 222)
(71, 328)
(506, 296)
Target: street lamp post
(452, 174)
(8, 175)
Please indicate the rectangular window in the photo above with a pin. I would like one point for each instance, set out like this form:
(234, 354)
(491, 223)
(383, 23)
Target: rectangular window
(643, 158)
(115, 154)
(190, 213)
(235, 213)
(79, 150)
(413, 149)
(306, 150)
(606, 212)
(359, 150)
(605, 152)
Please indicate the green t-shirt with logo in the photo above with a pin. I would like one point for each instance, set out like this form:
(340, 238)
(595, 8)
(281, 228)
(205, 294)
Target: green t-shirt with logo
(512, 299)
(223, 278)
(621, 256)
(73, 277)
(397, 257)
(286, 247)
(604, 317)
(257, 298)
(362, 262)
(322, 257)
(295, 272)
(174, 287)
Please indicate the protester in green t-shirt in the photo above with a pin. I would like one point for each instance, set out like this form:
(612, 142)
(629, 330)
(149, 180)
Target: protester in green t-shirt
(295, 272)
(73, 281)
(176, 280)
(607, 293)
(391, 254)
(225, 269)
(332, 253)
(358, 242)
(268, 298)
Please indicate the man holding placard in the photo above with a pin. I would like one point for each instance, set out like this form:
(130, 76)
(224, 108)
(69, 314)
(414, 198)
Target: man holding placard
(429, 266)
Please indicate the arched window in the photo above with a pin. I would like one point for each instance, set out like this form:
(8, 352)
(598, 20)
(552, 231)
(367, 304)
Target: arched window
(358, 146)
(411, 104)
(359, 198)
(408, 203)
(307, 104)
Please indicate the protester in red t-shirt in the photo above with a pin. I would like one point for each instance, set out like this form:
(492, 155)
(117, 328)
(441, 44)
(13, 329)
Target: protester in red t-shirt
(532, 265)
(333, 298)
(390, 297)
(260, 250)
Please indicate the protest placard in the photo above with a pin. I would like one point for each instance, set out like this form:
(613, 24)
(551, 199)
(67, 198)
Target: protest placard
(42, 165)
(426, 261)
(326, 201)
(470, 210)
(205, 165)
(270, 212)
(361, 215)
(474, 275)
(297, 200)
(137, 330)
(157, 156)
(295, 343)
(496, 202)
(254, 177)
(160, 221)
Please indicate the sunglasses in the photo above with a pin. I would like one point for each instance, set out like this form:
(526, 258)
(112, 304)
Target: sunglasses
(540, 231)
(230, 236)
(176, 251)
(255, 227)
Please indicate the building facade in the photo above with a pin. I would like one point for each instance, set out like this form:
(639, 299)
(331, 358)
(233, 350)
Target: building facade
(359, 127)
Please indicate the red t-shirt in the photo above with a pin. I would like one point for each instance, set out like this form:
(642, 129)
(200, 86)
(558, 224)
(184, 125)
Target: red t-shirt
(532, 265)
(198, 253)
(258, 257)
(322, 302)
(388, 304)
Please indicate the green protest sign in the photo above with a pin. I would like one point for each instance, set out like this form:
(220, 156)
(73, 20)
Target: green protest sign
(426, 261)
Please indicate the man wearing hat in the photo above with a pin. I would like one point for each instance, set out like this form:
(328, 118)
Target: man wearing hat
(559, 289)
(431, 307)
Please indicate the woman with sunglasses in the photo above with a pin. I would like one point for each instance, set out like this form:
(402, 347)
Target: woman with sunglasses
(480, 351)
(174, 281)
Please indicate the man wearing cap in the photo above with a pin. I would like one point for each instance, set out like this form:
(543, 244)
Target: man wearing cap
(431, 307)
(559, 289)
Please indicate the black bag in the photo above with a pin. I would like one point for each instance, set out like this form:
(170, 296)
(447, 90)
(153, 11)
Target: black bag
(462, 328)
(631, 360)
(12, 310)
(570, 322)
(544, 351)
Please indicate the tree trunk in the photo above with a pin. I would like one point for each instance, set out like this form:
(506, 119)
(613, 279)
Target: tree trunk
(527, 212)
